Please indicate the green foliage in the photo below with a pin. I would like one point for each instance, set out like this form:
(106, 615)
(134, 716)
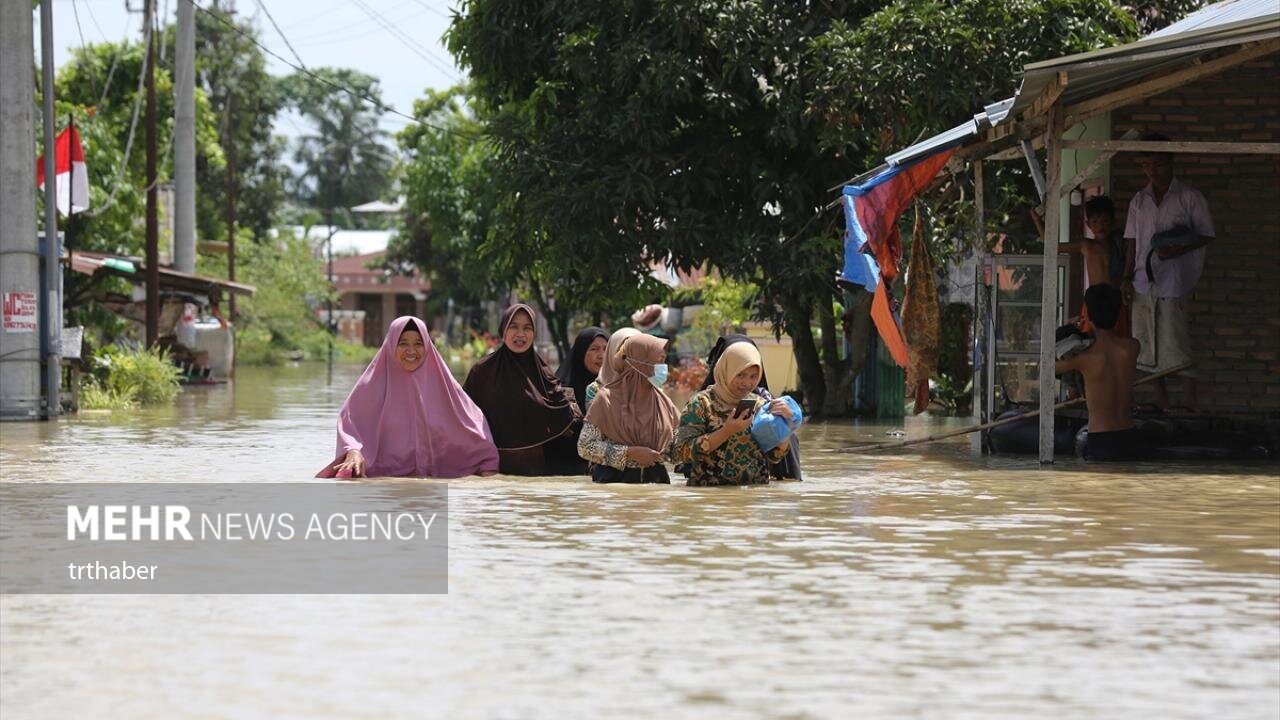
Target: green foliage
(345, 160)
(126, 375)
(727, 304)
(279, 319)
(93, 396)
(451, 206)
(914, 67)
(232, 72)
(709, 131)
(1153, 15)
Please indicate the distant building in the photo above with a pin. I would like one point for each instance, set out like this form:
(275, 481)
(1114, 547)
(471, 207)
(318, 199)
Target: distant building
(371, 297)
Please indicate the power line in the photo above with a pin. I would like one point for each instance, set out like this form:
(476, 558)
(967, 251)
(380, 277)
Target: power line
(133, 125)
(377, 104)
(75, 10)
(345, 33)
(84, 47)
(115, 61)
(278, 32)
(413, 45)
(310, 35)
(316, 16)
(94, 19)
(433, 9)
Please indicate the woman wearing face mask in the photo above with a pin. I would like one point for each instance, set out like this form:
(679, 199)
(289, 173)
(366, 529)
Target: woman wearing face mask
(407, 416)
(628, 431)
(532, 417)
(714, 435)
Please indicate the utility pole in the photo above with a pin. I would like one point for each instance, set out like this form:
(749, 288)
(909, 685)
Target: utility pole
(153, 226)
(19, 273)
(333, 325)
(184, 140)
(231, 207)
(52, 315)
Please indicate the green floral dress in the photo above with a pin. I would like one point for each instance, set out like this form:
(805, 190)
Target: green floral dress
(739, 461)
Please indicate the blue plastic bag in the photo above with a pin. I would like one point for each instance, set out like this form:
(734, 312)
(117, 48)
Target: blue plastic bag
(771, 430)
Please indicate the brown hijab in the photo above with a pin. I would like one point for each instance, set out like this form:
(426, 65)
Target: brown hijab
(629, 409)
(521, 398)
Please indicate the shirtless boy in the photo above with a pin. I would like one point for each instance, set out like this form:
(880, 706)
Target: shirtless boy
(1108, 368)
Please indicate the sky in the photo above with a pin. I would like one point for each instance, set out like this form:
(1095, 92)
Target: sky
(334, 33)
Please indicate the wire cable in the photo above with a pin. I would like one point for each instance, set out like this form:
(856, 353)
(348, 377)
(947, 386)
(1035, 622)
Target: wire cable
(377, 104)
(414, 46)
(279, 32)
(133, 126)
(94, 19)
(115, 62)
(433, 9)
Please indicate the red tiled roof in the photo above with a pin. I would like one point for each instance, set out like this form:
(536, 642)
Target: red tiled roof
(352, 273)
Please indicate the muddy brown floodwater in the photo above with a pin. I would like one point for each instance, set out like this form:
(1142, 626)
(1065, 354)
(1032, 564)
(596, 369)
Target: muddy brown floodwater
(923, 584)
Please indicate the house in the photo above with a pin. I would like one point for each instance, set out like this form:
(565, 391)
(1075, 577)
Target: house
(1210, 83)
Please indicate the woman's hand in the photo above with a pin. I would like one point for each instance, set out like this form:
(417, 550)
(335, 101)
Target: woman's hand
(643, 456)
(734, 424)
(354, 463)
(780, 407)
(1126, 292)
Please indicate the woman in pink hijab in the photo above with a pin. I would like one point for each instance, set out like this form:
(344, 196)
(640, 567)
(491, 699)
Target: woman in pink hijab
(408, 417)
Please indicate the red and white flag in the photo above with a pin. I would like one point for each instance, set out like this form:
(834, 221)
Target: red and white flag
(71, 177)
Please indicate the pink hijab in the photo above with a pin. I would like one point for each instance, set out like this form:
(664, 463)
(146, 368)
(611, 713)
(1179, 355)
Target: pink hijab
(418, 424)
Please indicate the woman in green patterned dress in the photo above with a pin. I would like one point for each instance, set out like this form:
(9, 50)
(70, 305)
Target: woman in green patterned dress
(714, 439)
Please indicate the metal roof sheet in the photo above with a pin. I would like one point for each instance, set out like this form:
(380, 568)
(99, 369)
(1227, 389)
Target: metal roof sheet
(1218, 14)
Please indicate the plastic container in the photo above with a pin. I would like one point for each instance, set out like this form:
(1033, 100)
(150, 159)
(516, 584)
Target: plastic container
(769, 430)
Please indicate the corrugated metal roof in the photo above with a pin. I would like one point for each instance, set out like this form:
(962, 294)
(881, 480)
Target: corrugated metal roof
(1217, 14)
(1094, 72)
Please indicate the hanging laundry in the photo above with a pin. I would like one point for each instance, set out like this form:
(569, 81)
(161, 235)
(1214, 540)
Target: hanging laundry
(921, 317)
(872, 246)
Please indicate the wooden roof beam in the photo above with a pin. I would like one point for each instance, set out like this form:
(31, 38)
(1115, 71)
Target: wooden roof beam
(1162, 82)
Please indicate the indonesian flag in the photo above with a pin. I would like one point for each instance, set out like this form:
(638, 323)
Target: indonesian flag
(73, 191)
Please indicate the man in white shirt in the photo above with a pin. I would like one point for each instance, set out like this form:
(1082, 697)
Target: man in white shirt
(1159, 284)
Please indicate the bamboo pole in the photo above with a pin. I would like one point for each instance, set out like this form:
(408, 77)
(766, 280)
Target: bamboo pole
(995, 423)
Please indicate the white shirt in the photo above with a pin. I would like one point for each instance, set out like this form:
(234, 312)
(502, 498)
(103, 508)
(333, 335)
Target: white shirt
(1182, 205)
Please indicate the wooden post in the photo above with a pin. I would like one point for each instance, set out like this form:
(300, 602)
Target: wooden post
(1049, 286)
(979, 306)
(152, 219)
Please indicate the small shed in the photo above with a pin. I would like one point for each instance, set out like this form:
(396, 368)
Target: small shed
(1211, 83)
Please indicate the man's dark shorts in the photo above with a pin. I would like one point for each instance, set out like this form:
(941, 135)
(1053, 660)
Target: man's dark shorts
(1116, 445)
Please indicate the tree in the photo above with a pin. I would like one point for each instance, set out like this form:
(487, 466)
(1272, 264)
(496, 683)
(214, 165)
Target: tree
(345, 160)
(245, 100)
(710, 131)
(461, 228)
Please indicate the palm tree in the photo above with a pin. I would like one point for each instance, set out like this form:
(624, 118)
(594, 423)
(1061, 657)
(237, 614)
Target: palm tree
(345, 161)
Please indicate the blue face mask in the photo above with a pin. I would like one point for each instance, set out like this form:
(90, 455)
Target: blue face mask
(659, 376)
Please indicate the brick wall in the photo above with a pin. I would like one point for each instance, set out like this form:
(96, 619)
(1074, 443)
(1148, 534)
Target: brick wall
(1235, 309)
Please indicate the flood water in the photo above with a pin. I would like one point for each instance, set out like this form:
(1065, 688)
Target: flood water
(922, 584)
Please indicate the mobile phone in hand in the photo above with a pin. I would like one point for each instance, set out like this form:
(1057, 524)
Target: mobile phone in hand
(745, 407)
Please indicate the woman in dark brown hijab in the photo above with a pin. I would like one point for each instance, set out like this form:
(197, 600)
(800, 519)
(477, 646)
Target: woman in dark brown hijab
(532, 418)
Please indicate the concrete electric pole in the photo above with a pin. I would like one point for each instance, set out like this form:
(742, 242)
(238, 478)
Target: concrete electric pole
(20, 268)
